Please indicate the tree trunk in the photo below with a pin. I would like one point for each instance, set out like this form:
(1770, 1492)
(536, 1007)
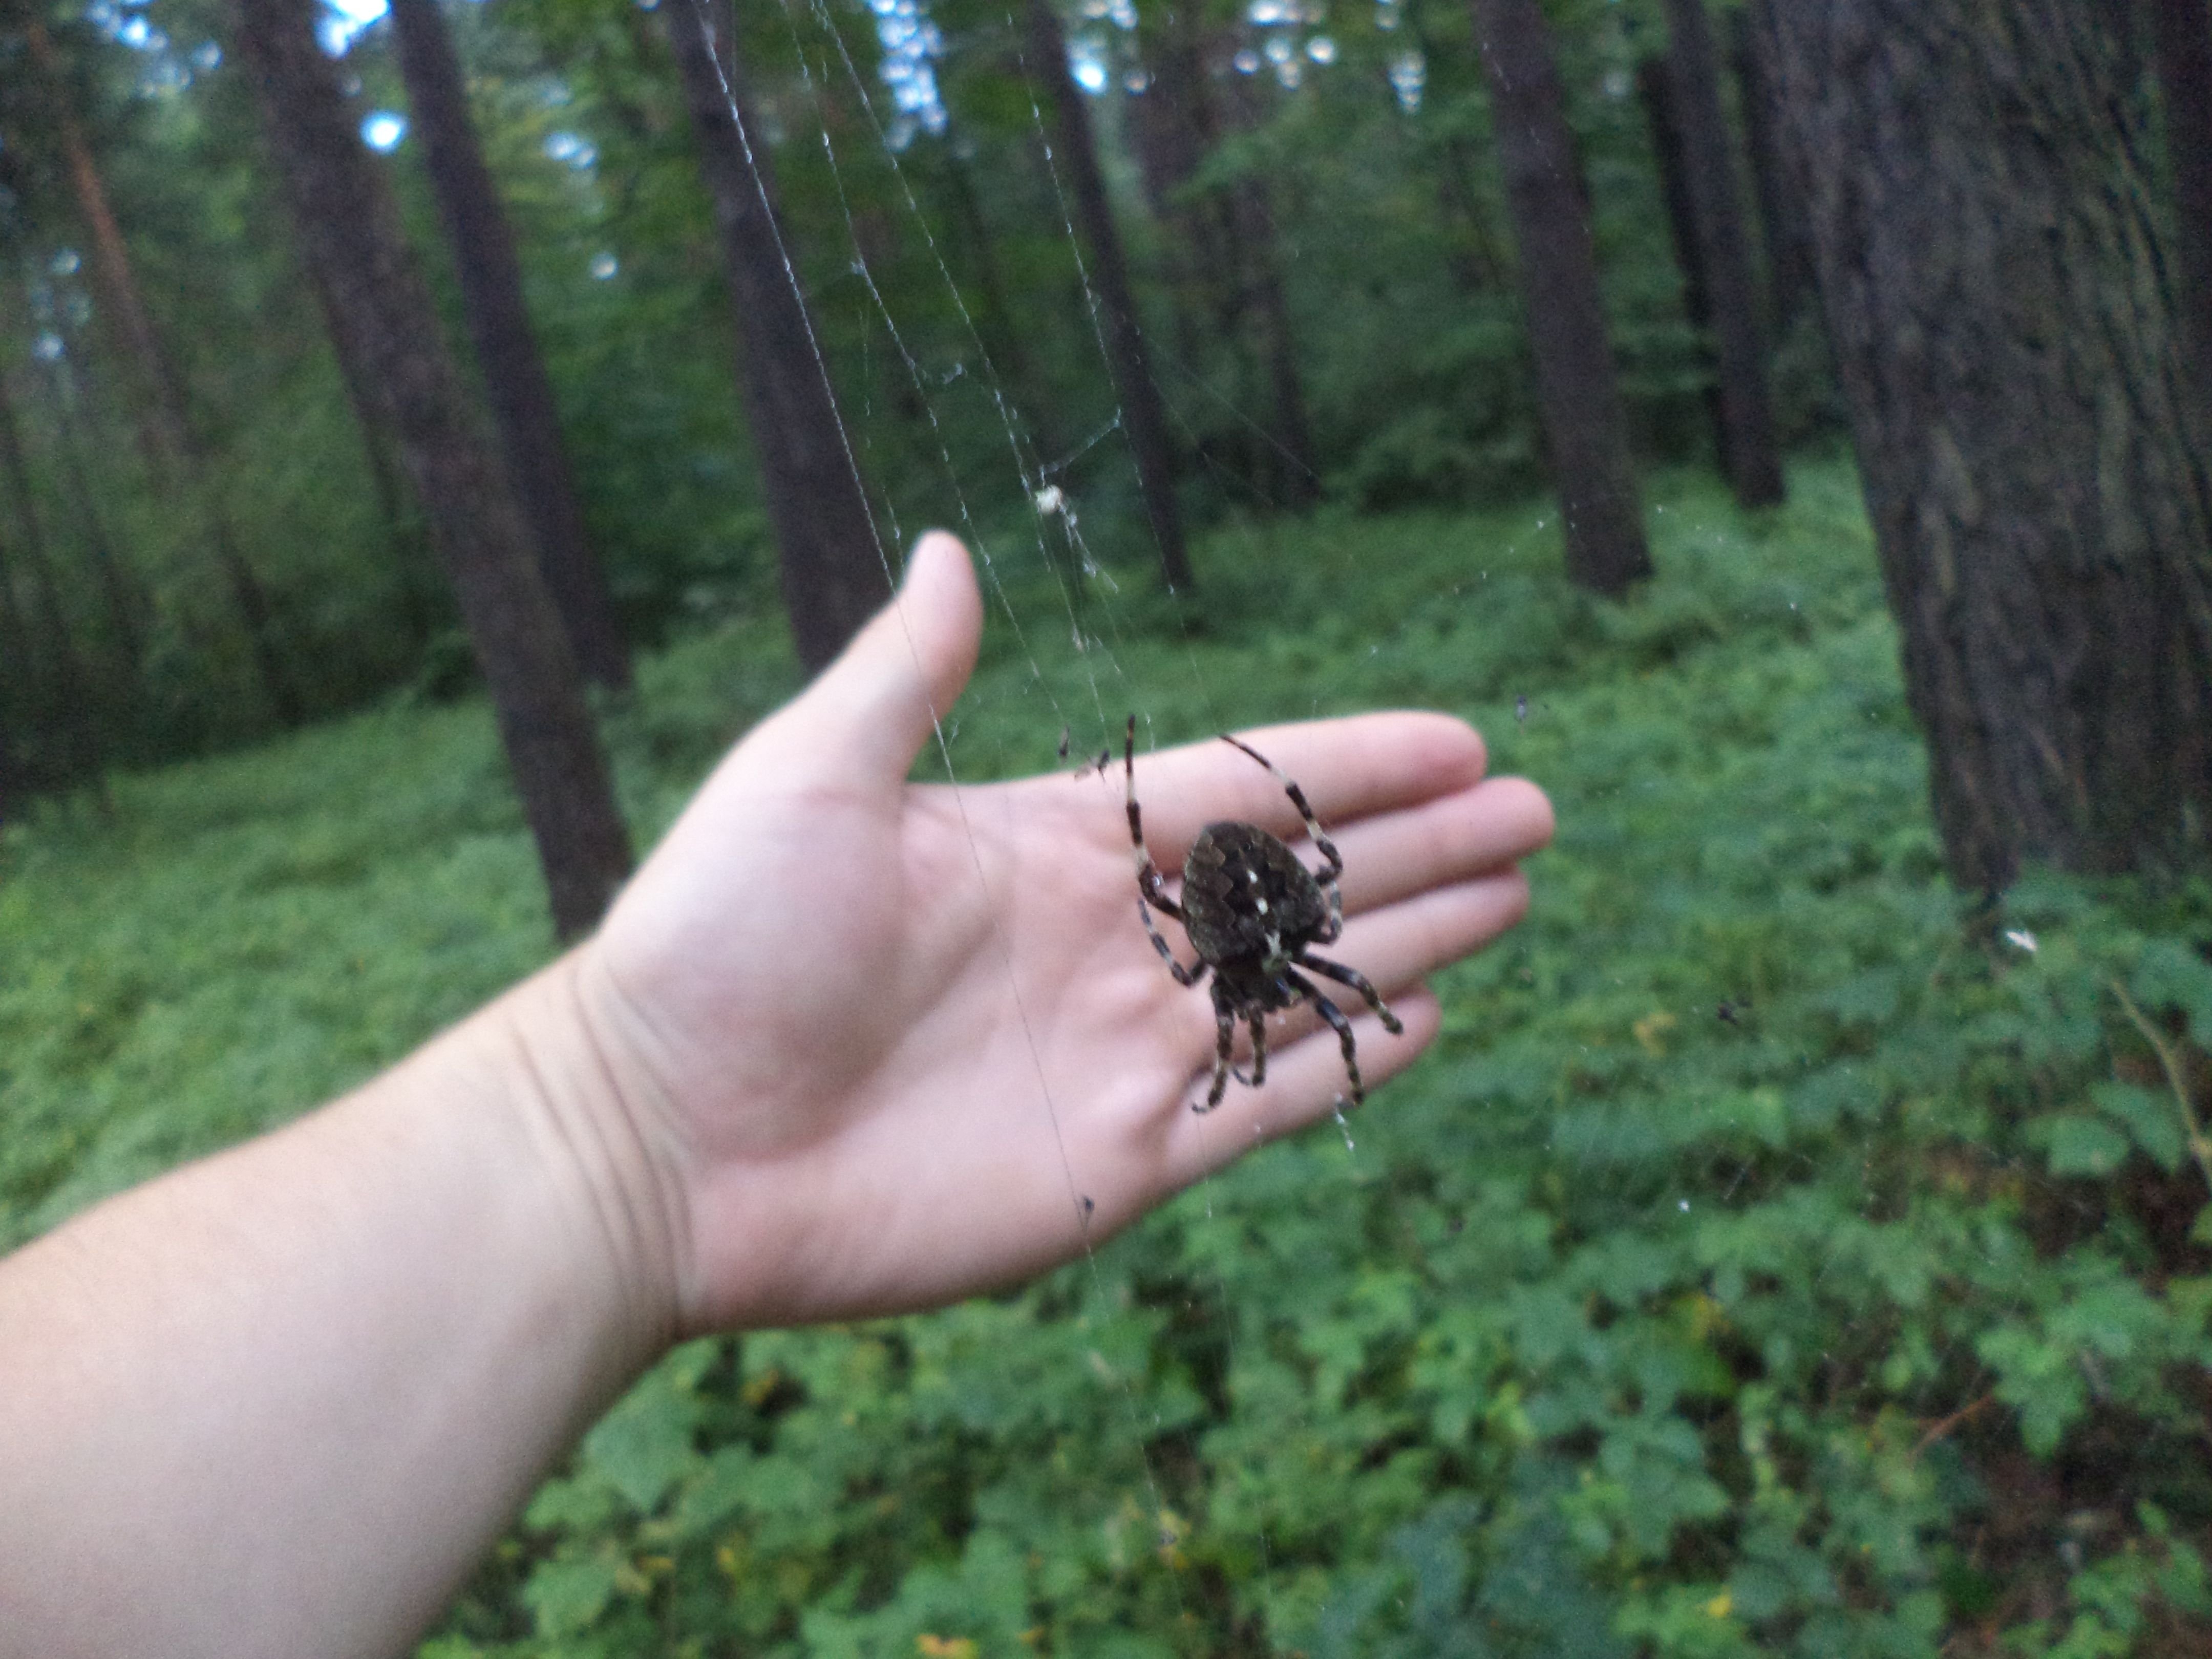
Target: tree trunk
(523, 407)
(2009, 350)
(382, 315)
(165, 427)
(73, 711)
(1781, 209)
(1655, 88)
(1748, 452)
(1576, 392)
(836, 571)
(2184, 36)
(123, 595)
(1143, 418)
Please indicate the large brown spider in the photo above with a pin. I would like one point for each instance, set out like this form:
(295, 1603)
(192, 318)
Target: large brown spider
(1251, 910)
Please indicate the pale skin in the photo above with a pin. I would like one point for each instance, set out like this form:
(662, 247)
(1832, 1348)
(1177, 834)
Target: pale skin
(846, 1046)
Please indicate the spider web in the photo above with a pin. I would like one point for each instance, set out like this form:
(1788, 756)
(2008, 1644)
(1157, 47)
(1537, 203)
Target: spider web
(1081, 639)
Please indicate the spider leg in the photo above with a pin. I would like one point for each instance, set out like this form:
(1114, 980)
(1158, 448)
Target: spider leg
(1334, 1015)
(1358, 982)
(1257, 1022)
(1226, 1025)
(1185, 976)
(1150, 882)
(1332, 861)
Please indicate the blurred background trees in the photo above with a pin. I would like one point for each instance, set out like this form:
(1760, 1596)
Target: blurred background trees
(1178, 267)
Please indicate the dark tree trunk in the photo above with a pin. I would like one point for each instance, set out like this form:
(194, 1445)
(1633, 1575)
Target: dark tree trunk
(123, 595)
(1781, 207)
(1655, 88)
(2011, 356)
(835, 572)
(2183, 32)
(1259, 246)
(382, 315)
(522, 396)
(165, 427)
(1749, 452)
(1576, 392)
(72, 709)
(413, 564)
(1143, 418)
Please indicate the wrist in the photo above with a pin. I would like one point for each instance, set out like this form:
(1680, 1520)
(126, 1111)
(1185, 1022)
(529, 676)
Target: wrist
(584, 1104)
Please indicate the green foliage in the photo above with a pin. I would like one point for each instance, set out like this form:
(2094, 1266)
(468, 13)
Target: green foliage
(1774, 1256)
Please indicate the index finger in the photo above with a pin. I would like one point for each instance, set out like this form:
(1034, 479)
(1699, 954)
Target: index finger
(1347, 769)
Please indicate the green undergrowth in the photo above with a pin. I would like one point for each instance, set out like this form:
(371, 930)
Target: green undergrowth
(1776, 1254)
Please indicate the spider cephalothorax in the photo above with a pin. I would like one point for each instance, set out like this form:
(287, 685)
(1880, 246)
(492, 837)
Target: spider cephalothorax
(1251, 910)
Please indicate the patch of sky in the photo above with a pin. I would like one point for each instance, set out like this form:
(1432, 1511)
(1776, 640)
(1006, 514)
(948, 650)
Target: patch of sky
(383, 129)
(1409, 73)
(1086, 62)
(48, 347)
(572, 149)
(603, 267)
(341, 22)
(912, 44)
(1123, 12)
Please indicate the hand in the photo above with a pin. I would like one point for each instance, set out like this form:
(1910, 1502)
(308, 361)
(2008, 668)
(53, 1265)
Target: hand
(889, 1044)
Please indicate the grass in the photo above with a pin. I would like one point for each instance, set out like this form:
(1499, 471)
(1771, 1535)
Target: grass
(1764, 1260)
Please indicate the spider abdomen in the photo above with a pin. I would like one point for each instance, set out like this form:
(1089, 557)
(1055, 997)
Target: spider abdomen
(1246, 899)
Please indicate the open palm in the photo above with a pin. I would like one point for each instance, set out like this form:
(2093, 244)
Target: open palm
(894, 1044)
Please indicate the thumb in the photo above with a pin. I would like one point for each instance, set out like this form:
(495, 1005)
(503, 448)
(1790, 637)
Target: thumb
(879, 701)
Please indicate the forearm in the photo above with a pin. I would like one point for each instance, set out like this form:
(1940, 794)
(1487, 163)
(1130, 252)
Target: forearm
(279, 1401)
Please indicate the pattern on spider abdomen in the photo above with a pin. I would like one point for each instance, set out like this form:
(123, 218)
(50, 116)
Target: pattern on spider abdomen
(1246, 903)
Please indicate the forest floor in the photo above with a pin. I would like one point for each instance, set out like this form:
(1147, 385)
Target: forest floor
(1770, 1257)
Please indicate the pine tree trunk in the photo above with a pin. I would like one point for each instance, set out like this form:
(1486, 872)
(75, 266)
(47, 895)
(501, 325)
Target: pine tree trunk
(123, 595)
(835, 573)
(2183, 32)
(1781, 211)
(515, 382)
(381, 312)
(73, 711)
(165, 427)
(1749, 452)
(1655, 88)
(2011, 356)
(1576, 392)
(1143, 420)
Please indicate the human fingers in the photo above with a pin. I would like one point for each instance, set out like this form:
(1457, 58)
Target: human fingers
(1347, 768)
(875, 706)
(1400, 945)
(1395, 855)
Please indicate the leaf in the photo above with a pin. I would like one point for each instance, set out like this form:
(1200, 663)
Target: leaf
(565, 1597)
(2081, 1146)
(2148, 1115)
(642, 1445)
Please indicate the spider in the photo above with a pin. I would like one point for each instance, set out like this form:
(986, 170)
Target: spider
(1251, 910)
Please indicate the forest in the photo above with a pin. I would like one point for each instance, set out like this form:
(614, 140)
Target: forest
(430, 435)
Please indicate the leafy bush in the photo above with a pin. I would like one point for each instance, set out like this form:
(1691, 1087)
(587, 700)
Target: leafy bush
(1776, 1253)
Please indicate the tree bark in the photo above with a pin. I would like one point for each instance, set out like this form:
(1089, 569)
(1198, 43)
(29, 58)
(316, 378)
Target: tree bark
(1576, 392)
(835, 569)
(1749, 452)
(382, 315)
(165, 427)
(1143, 418)
(1781, 209)
(523, 406)
(1655, 87)
(2011, 356)
(2183, 32)
(73, 710)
